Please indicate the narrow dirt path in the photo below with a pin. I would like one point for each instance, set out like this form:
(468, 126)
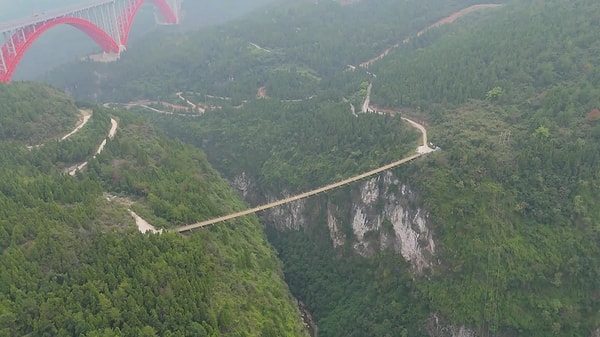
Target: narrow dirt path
(194, 106)
(259, 47)
(423, 149)
(143, 225)
(111, 134)
(163, 111)
(449, 19)
(85, 117)
(144, 104)
(455, 16)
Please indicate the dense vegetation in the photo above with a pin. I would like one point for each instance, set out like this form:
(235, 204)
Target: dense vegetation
(511, 95)
(492, 57)
(350, 295)
(289, 146)
(34, 120)
(518, 179)
(72, 264)
(300, 44)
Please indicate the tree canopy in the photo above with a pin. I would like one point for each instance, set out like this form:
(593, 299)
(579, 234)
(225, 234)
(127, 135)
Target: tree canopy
(72, 262)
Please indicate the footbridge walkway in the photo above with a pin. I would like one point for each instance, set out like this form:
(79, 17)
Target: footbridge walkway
(421, 150)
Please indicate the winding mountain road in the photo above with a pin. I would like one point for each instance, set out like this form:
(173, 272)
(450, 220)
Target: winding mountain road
(145, 106)
(449, 19)
(366, 108)
(85, 117)
(188, 102)
(111, 134)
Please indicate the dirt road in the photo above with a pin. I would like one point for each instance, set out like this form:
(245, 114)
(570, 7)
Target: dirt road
(449, 19)
(85, 117)
(111, 134)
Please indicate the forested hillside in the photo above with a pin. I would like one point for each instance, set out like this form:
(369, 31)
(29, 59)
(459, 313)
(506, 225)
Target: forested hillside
(28, 120)
(510, 94)
(513, 100)
(290, 147)
(514, 190)
(73, 264)
(296, 48)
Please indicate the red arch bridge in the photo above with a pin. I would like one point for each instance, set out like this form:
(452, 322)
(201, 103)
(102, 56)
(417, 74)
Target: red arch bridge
(107, 22)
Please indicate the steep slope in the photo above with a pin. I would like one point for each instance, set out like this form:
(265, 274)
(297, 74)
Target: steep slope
(513, 194)
(505, 215)
(287, 146)
(35, 120)
(300, 43)
(73, 264)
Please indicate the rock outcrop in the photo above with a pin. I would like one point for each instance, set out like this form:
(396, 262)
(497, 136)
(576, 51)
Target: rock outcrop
(436, 328)
(385, 215)
(380, 214)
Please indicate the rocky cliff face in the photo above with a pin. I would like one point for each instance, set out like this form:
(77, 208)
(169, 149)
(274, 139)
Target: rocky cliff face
(436, 328)
(379, 214)
(385, 216)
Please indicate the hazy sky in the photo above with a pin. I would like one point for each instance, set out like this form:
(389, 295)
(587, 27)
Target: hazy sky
(74, 45)
(15, 9)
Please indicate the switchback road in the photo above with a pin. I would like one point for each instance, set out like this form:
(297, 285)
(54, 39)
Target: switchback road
(111, 134)
(85, 117)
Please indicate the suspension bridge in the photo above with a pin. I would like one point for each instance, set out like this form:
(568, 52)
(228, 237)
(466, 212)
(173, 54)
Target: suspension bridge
(107, 22)
(421, 150)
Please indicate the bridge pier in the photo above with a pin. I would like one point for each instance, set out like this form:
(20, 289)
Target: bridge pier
(103, 57)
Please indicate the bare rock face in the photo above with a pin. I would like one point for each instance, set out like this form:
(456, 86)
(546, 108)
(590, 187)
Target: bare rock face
(336, 233)
(595, 333)
(379, 214)
(244, 185)
(436, 328)
(287, 217)
(383, 217)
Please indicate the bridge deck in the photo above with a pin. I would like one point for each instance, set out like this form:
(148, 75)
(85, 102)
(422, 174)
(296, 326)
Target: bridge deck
(422, 150)
(32, 20)
(297, 197)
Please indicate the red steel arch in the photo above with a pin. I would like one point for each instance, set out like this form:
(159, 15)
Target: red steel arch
(126, 19)
(104, 40)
